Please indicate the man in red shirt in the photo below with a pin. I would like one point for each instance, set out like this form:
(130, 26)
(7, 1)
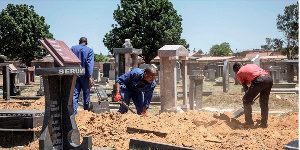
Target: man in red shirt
(259, 81)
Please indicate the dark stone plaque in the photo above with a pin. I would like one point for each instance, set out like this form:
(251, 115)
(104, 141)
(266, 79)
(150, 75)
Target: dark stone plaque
(61, 53)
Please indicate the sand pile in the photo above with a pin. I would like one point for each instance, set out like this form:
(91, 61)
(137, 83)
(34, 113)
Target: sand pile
(199, 130)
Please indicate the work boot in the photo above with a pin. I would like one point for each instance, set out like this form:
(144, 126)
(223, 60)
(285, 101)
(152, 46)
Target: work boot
(248, 114)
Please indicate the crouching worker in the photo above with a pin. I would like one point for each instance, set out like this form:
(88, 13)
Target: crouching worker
(138, 85)
(260, 82)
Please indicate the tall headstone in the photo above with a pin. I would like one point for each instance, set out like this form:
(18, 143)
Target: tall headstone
(169, 54)
(6, 80)
(112, 75)
(41, 90)
(106, 69)
(96, 74)
(196, 92)
(13, 71)
(30, 73)
(59, 129)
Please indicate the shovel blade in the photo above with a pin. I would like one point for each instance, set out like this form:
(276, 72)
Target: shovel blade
(238, 113)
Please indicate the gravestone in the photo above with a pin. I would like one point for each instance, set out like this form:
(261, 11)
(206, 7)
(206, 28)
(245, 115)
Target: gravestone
(12, 76)
(112, 75)
(275, 73)
(211, 75)
(225, 78)
(169, 54)
(6, 80)
(196, 92)
(291, 67)
(106, 69)
(40, 92)
(17, 126)
(59, 129)
(30, 75)
(21, 76)
(213, 66)
(101, 105)
(122, 59)
(96, 74)
(104, 81)
(220, 71)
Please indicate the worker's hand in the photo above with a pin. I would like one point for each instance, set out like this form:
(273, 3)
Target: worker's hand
(117, 97)
(90, 81)
(144, 111)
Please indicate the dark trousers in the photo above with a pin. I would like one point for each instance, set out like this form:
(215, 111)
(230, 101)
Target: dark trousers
(81, 83)
(260, 85)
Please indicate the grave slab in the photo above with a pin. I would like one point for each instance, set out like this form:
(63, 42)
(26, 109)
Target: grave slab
(99, 107)
(141, 144)
(20, 119)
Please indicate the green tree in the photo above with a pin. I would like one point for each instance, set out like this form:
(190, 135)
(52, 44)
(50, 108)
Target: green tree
(200, 51)
(149, 24)
(288, 24)
(268, 45)
(100, 58)
(220, 50)
(20, 29)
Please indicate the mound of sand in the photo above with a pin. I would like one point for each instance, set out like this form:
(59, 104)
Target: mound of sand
(194, 129)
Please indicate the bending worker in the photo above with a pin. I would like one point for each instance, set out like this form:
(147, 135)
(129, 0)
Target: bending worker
(259, 81)
(137, 84)
(84, 82)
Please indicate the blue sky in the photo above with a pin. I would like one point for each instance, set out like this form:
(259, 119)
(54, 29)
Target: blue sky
(244, 24)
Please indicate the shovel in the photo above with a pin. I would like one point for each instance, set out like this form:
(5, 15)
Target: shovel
(126, 106)
(240, 111)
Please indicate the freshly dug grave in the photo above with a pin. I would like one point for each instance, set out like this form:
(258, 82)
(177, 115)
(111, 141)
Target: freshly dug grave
(194, 129)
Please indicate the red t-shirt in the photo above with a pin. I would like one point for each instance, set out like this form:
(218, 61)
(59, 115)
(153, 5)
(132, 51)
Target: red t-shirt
(250, 72)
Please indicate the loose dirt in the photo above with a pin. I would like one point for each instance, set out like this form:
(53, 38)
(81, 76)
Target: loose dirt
(193, 129)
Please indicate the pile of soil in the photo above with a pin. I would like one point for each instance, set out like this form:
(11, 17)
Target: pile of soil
(193, 129)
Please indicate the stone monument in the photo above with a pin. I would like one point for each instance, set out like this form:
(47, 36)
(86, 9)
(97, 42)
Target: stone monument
(122, 60)
(169, 54)
(59, 128)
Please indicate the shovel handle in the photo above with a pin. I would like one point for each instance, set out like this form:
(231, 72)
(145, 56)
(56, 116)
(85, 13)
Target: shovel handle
(122, 102)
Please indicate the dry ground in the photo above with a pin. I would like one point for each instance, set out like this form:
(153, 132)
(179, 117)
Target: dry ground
(194, 129)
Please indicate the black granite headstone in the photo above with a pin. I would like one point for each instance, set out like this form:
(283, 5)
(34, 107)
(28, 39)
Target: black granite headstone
(59, 128)
(106, 68)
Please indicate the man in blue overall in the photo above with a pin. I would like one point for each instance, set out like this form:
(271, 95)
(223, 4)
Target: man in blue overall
(84, 82)
(138, 85)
